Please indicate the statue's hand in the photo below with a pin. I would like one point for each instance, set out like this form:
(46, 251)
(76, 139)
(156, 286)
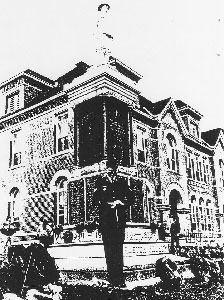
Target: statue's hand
(115, 203)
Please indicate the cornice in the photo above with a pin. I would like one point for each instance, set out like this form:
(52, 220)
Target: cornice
(28, 113)
(30, 74)
(104, 84)
(202, 147)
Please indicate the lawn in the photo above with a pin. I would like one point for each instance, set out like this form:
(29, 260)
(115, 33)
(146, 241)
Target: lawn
(189, 290)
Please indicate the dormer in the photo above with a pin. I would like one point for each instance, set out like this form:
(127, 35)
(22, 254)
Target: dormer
(23, 90)
(191, 118)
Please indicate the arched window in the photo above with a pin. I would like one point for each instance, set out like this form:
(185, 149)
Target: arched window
(13, 196)
(172, 153)
(62, 200)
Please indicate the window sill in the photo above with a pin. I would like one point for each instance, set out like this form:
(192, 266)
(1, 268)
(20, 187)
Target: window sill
(16, 167)
(198, 181)
(68, 151)
(174, 172)
(137, 225)
(146, 164)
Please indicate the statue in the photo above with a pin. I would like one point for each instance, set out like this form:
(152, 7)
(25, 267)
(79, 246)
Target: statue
(103, 36)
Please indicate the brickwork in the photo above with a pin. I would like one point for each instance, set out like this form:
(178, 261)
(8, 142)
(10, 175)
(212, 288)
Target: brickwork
(74, 134)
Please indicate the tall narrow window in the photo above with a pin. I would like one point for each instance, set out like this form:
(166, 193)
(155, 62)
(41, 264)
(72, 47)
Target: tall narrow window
(16, 149)
(62, 133)
(142, 144)
(197, 170)
(12, 203)
(194, 129)
(172, 153)
(207, 173)
(12, 103)
(221, 165)
(189, 169)
(193, 214)
(193, 168)
(62, 201)
(200, 171)
(204, 172)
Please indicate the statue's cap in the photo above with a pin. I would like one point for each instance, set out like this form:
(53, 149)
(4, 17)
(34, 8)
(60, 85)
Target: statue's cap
(102, 5)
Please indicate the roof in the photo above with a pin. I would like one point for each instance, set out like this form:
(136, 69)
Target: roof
(154, 108)
(31, 74)
(211, 136)
(125, 70)
(185, 108)
(79, 70)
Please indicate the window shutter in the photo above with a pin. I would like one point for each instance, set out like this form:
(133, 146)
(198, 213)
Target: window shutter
(146, 150)
(10, 154)
(177, 161)
(55, 208)
(168, 162)
(9, 209)
(135, 151)
(55, 139)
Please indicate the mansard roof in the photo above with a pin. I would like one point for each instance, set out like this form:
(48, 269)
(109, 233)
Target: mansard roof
(211, 136)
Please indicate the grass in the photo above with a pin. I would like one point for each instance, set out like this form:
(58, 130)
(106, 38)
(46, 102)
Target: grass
(188, 291)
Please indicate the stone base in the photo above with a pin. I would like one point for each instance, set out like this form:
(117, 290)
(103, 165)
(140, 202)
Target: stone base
(69, 257)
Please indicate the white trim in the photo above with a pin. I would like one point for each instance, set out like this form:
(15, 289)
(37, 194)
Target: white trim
(61, 173)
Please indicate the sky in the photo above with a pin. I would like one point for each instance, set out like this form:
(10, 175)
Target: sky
(176, 45)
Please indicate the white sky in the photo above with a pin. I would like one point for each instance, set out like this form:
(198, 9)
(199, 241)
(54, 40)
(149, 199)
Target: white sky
(177, 45)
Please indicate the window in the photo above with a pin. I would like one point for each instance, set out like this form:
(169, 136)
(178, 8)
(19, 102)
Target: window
(139, 210)
(141, 144)
(221, 165)
(200, 171)
(198, 168)
(193, 169)
(194, 129)
(62, 133)
(12, 203)
(202, 215)
(193, 216)
(188, 163)
(62, 201)
(204, 171)
(12, 103)
(172, 154)
(15, 150)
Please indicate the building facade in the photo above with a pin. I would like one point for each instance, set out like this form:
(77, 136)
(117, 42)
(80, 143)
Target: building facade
(58, 136)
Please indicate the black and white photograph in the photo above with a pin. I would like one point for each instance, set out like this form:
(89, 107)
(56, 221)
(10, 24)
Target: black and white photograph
(112, 150)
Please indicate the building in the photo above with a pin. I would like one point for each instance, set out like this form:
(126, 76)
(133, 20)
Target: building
(58, 136)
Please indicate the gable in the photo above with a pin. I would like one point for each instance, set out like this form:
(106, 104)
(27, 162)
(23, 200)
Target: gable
(171, 120)
(219, 148)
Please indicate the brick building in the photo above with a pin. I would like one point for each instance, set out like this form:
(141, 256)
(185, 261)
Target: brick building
(58, 136)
